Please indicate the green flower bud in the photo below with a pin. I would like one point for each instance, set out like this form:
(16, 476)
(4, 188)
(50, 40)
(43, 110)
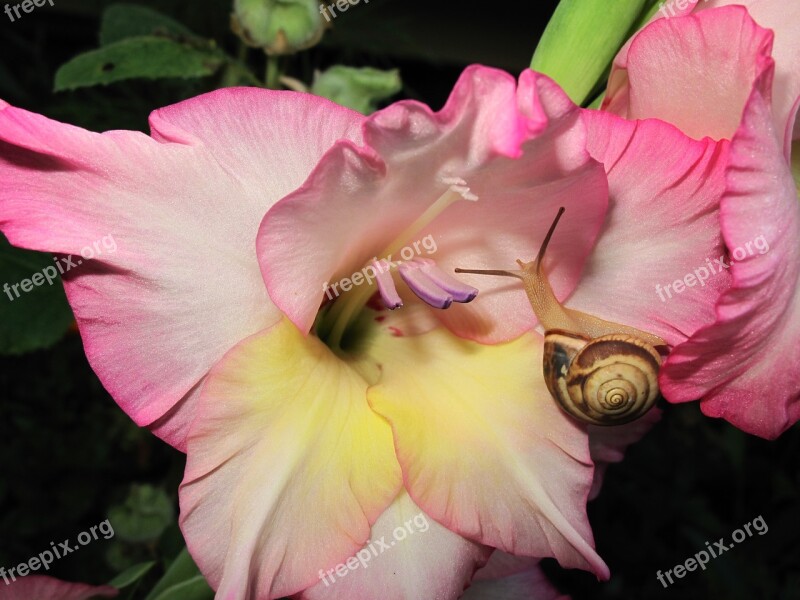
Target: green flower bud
(359, 89)
(278, 26)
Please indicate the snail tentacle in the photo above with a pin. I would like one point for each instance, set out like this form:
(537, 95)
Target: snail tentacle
(599, 372)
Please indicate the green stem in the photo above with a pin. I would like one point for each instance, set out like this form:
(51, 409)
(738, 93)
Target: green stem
(273, 76)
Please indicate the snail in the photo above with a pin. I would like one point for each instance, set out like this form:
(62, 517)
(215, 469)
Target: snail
(599, 372)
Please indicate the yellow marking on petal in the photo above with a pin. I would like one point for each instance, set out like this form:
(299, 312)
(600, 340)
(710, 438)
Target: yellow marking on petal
(484, 448)
(287, 465)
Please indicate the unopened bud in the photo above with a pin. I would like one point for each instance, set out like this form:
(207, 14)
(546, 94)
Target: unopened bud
(278, 26)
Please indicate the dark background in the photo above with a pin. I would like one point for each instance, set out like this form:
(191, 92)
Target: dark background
(68, 454)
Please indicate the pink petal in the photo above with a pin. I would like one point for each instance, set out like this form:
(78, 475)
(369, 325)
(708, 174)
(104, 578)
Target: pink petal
(183, 209)
(515, 147)
(39, 587)
(558, 159)
(616, 99)
(418, 558)
(746, 366)
(508, 577)
(661, 182)
(783, 18)
(694, 72)
(287, 467)
(502, 564)
(483, 446)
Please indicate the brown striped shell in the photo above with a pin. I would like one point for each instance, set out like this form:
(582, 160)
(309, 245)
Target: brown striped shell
(608, 380)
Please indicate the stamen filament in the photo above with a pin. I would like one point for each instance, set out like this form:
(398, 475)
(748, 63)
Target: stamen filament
(345, 309)
(434, 210)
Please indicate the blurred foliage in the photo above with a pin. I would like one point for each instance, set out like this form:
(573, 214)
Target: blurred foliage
(131, 575)
(69, 455)
(71, 459)
(140, 43)
(122, 21)
(146, 57)
(694, 480)
(143, 516)
(36, 318)
(359, 89)
(182, 581)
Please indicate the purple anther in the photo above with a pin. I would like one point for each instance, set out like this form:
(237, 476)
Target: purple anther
(388, 291)
(461, 292)
(423, 286)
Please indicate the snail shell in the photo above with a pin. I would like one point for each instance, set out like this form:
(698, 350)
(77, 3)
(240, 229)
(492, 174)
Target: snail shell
(608, 380)
(599, 372)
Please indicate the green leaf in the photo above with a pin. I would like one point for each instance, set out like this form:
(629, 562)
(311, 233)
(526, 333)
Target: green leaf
(598, 101)
(581, 40)
(359, 89)
(146, 57)
(143, 517)
(131, 576)
(35, 319)
(122, 21)
(191, 589)
(180, 571)
(650, 10)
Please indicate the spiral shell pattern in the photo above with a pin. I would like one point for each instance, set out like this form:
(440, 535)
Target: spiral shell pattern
(610, 380)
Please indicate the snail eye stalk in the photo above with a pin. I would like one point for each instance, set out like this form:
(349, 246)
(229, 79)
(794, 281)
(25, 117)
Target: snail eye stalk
(598, 372)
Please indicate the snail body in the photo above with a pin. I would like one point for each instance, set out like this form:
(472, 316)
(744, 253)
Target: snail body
(599, 372)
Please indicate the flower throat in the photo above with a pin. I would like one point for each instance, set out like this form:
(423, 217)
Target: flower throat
(336, 323)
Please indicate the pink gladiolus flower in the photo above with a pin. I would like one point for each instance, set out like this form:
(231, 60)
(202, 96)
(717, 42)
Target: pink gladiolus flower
(312, 432)
(39, 587)
(656, 69)
(743, 84)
